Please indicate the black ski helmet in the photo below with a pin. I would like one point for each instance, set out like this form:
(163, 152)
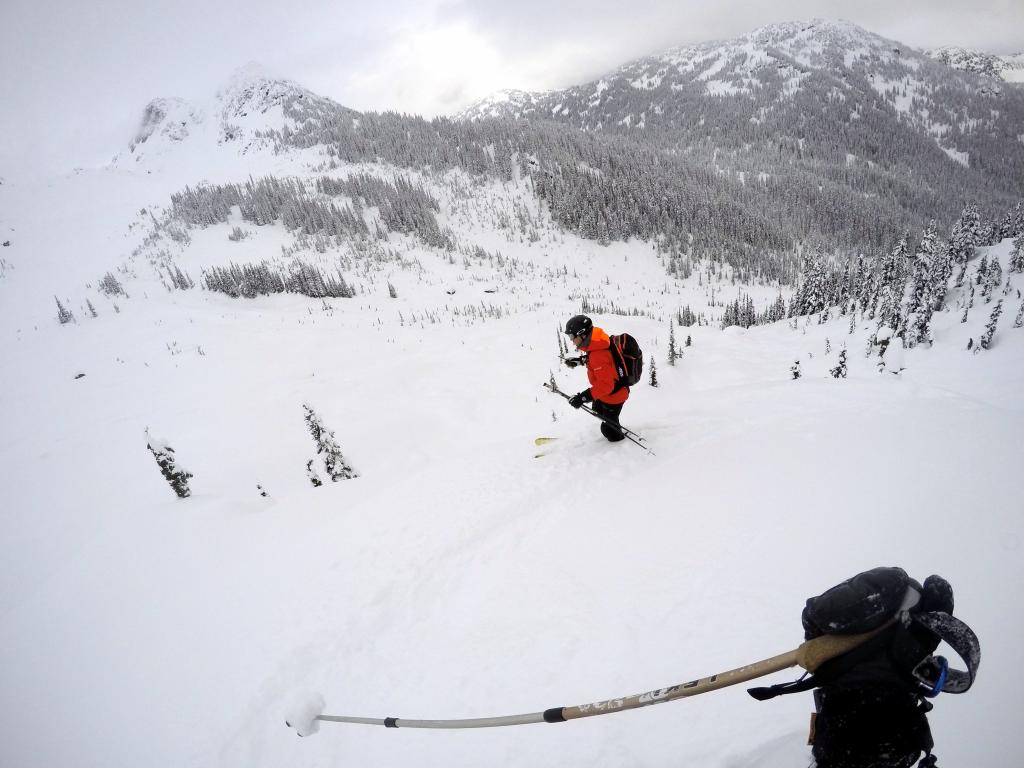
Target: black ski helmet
(580, 326)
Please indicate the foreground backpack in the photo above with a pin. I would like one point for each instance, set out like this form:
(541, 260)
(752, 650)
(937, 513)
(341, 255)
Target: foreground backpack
(870, 702)
(628, 359)
(910, 619)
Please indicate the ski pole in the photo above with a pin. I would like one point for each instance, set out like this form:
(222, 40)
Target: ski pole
(638, 439)
(809, 655)
(554, 388)
(627, 433)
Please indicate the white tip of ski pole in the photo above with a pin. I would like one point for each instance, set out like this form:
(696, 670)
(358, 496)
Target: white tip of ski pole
(302, 713)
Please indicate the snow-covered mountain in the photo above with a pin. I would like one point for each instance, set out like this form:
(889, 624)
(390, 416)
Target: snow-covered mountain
(252, 103)
(1007, 68)
(826, 83)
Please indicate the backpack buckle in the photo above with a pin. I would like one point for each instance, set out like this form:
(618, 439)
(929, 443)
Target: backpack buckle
(932, 673)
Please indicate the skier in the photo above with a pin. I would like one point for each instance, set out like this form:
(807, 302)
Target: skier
(607, 397)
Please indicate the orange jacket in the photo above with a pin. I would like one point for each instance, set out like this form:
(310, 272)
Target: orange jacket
(601, 369)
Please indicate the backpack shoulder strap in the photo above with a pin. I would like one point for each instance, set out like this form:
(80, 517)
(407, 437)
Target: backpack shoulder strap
(618, 361)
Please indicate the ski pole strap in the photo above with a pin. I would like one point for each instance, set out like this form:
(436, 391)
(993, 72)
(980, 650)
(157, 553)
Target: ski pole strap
(960, 638)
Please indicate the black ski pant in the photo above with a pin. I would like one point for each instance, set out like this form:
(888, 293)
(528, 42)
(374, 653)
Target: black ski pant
(611, 413)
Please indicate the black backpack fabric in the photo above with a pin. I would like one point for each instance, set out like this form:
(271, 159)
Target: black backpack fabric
(871, 701)
(628, 359)
(862, 603)
(919, 616)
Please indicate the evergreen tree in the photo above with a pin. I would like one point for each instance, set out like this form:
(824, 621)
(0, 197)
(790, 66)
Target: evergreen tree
(923, 282)
(64, 316)
(982, 271)
(1019, 321)
(968, 305)
(111, 286)
(921, 274)
(672, 352)
(990, 329)
(993, 277)
(689, 341)
(1017, 255)
(654, 373)
(839, 372)
(175, 475)
(336, 466)
(966, 235)
(314, 478)
(892, 285)
(794, 370)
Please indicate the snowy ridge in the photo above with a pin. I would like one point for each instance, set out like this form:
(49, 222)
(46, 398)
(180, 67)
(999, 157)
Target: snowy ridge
(499, 104)
(251, 104)
(762, 75)
(1006, 68)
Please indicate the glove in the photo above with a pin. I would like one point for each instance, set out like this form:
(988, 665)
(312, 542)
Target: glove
(579, 399)
(571, 362)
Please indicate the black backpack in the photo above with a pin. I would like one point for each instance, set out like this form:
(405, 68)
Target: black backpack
(867, 601)
(918, 618)
(628, 359)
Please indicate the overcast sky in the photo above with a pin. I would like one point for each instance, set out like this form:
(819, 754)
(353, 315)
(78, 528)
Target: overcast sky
(75, 76)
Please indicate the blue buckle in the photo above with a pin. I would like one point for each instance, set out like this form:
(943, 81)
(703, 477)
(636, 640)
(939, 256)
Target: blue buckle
(940, 681)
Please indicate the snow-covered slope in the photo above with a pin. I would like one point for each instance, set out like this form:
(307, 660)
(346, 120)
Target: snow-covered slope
(1013, 69)
(458, 575)
(1008, 68)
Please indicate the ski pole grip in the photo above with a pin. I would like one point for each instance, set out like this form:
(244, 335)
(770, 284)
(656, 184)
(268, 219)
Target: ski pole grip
(813, 653)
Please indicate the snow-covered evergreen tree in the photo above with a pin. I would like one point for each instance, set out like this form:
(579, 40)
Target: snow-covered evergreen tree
(654, 374)
(923, 285)
(966, 235)
(993, 277)
(1017, 255)
(892, 285)
(314, 478)
(64, 316)
(111, 286)
(335, 464)
(839, 372)
(1019, 320)
(175, 475)
(673, 353)
(990, 328)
